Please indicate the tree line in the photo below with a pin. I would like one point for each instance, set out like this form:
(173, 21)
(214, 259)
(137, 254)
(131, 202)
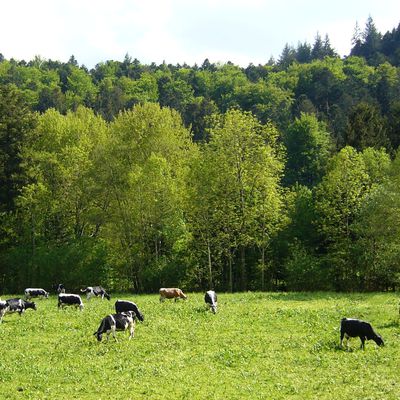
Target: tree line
(278, 176)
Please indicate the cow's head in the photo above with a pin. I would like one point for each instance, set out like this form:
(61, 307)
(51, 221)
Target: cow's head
(378, 340)
(30, 304)
(136, 313)
(139, 316)
(60, 288)
(182, 295)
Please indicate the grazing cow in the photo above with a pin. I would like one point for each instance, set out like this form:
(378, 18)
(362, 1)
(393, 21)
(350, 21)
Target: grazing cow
(116, 322)
(60, 288)
(4, 307)
(211, 300)
(19, 306)
(68, 299)
(354, 327)
(35, 292)
(125, 306)
(92, 291)
(171, 293)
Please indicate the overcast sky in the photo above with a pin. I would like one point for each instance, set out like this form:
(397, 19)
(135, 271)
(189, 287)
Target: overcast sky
(178, 31)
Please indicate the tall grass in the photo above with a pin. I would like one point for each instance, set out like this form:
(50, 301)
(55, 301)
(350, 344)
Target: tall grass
(258, 346)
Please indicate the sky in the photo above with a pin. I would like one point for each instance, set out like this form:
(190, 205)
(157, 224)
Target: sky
(181, 31)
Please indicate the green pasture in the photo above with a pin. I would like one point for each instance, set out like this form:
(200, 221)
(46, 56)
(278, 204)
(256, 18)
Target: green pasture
(258, 346)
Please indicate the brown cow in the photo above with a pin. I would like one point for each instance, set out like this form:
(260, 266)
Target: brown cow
(171, 293)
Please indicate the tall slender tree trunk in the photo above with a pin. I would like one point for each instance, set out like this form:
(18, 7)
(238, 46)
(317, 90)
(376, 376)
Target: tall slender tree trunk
(156, 249)
(210, 279)
(33, 266)
(230, 273)
(243, 274)
(262, 268)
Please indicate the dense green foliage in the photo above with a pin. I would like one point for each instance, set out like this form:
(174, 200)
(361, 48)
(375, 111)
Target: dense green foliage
(271, 176)
(258, 346)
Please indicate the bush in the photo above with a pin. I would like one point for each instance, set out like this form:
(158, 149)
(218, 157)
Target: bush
(304, 271)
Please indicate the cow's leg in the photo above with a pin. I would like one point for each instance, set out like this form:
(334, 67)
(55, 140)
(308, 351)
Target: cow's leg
(362, 342)
(132, 330)
(113, 329)
(341, 339)
(347, 342)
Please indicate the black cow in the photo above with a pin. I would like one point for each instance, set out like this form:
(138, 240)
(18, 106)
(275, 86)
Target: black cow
(211, 300)
(35, 292)
(126, 306)
(354, 327)
(92, 291)
(116, 322)
(4, 307)
(19, 306)
(68, 299)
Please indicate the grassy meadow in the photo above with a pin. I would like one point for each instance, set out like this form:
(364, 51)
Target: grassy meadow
(258, 346)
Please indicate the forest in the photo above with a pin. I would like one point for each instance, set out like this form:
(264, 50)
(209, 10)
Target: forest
(283, 176)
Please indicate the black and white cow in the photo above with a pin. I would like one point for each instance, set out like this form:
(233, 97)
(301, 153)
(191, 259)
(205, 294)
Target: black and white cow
(68, 299)
(60, 288)
(126, 306)
(116, 322)
(36, 292)
(19, 306)
(4, 307)
(211, 300)
(356, 328)
(92, 291)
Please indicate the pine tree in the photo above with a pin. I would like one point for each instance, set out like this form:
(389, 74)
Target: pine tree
(327, 48)
(303, 52)
(317, 52)
(287, 57)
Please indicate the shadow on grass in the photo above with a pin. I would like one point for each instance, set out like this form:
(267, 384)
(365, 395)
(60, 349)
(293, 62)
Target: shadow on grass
(354, 346)
(202, 310)
(333, 345)
(390, 324)
(311, 296)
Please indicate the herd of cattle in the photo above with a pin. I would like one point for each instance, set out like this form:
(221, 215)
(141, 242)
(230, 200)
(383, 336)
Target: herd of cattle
(127, 312)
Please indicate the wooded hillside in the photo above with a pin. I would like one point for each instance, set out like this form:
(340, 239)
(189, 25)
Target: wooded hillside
(277, 176)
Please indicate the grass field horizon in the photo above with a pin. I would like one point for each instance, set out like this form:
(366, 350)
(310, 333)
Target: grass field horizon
(258, 346)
